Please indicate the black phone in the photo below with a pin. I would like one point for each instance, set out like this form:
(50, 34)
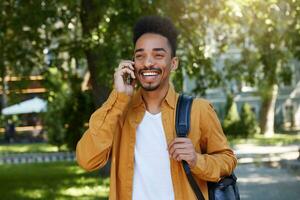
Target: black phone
(128, 78)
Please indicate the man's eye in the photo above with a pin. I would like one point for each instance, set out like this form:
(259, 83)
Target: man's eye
(159, 56)
(138, 56)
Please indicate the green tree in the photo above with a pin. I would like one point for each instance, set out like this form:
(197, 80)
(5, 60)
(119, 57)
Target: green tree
(96, 35)
(294, 28)
(195, 21)
(261, 33)
(20, 48)
(31, 33)
(100, 33)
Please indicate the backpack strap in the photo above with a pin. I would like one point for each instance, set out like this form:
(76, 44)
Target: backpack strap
(183, 110)
(182, 126)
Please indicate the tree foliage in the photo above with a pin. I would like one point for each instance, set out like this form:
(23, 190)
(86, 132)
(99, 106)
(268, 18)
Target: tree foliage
(261, 32)
(75, 37)
(45, 37)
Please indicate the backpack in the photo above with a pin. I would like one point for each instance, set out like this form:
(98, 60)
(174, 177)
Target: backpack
(226, 188)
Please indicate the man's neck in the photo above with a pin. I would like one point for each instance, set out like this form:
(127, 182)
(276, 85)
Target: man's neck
(153, 99)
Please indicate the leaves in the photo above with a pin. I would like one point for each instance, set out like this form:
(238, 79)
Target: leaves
(263, 39)
(221, 43)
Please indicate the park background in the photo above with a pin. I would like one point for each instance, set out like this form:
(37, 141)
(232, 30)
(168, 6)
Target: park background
(58, 57)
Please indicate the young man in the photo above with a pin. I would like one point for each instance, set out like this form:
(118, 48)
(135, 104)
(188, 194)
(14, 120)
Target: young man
(136, 129)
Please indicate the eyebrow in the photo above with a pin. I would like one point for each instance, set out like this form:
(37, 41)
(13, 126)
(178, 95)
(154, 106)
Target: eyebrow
(155, 49)
(159, 49)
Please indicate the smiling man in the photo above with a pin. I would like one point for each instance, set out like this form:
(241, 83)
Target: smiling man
(136, 128)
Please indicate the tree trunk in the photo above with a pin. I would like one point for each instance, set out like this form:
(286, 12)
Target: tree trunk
(100, 92)
(267, 112)
(4, 88)
(90, 14)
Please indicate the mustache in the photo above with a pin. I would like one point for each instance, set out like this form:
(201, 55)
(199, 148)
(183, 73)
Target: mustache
(150, 69)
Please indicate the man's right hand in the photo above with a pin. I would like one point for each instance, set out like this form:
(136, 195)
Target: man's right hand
(124, 69)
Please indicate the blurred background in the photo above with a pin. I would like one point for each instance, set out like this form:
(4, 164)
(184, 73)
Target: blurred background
(57, 60)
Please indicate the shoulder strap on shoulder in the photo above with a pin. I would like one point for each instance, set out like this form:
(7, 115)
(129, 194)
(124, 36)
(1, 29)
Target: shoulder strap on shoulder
(182, 125)
(183, 109)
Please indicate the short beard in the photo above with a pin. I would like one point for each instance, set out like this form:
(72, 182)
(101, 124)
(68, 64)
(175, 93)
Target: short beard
(150, 88)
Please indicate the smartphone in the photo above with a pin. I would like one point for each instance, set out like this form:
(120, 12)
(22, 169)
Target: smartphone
(128, 78)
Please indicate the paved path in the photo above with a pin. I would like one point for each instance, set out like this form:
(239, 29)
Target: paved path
(249, 153)
(264, 183)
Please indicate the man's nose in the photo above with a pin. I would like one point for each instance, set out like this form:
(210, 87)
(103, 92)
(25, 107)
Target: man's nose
(148, 62)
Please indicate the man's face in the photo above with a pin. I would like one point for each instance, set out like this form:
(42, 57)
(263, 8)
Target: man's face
(153, 61)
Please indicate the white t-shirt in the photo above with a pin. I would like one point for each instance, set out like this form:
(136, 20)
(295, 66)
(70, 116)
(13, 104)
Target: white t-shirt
(152, 175)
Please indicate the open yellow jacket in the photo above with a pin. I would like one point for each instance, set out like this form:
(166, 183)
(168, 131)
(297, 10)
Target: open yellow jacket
(111, 134)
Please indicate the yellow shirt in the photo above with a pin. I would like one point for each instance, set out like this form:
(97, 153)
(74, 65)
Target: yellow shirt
(111, 134)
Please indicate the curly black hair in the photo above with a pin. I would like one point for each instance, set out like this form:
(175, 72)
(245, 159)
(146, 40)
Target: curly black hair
(159, 25)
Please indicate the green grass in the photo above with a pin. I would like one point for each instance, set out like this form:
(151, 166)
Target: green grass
(276, 140)
(29, 148)
(66, 180)
(60, 180)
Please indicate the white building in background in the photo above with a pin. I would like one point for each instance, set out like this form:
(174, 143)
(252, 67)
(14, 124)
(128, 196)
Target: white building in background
(287, 109)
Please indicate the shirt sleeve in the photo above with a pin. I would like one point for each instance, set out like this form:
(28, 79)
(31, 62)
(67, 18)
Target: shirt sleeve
(93, 149)
(217, 159)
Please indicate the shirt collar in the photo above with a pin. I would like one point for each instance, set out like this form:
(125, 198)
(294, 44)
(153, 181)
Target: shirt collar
(170, 97)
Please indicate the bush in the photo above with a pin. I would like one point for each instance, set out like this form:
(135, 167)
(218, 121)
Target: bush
(81, 106)
(54, 128)
(57, 99)
(69, 109)
(248, 121)
(232, 119)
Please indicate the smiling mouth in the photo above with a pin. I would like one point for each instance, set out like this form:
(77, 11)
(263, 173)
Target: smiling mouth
(150, 73)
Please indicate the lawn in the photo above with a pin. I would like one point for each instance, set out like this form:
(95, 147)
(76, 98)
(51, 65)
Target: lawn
(60, 180)
(29, 148)
(66, 180)
(276, 140)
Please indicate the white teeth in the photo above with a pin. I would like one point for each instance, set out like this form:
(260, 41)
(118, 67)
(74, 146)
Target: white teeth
(149, 74)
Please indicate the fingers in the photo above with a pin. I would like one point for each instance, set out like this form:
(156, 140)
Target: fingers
(187, 158)
(125, 71)
(175, 152)
(182, 149)
(125, 67)
(126, 64)
(180, 140)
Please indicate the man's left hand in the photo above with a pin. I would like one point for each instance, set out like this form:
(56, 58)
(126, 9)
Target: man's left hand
(183, 149)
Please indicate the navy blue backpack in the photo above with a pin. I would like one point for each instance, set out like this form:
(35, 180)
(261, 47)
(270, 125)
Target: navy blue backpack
(226, 188)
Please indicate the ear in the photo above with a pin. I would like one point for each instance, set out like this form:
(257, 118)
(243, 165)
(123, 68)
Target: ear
(174, 63)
